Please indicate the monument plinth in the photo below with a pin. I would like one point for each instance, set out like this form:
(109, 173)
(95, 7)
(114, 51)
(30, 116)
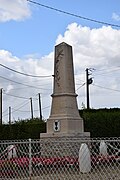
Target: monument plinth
(64, 118)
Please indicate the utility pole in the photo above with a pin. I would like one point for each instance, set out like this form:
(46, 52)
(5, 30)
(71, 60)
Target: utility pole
(88, 82)
(31, 105)
(1, 106)
(9, 115)
(40, 110)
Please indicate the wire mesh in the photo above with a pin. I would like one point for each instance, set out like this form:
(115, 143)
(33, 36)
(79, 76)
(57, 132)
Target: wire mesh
(60, 159)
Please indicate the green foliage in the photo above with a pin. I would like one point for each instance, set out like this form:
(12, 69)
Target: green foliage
(23, 129)
(102, 122)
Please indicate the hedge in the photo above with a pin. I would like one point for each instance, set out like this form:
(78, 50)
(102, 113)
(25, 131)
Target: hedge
(23, 129)
(102, 122)
(99, 122)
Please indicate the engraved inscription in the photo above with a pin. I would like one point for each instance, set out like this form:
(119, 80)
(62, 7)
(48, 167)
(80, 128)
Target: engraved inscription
(58, 58)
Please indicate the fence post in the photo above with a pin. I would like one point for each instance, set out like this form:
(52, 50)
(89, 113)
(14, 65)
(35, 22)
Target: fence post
(30, 159)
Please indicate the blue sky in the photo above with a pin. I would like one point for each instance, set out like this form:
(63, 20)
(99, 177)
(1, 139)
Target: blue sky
(37, 34)
(28, 34)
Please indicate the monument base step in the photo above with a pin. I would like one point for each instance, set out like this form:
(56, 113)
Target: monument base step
(62, 144)
(62, 135)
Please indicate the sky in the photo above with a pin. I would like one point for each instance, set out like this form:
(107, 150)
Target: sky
(28, 35)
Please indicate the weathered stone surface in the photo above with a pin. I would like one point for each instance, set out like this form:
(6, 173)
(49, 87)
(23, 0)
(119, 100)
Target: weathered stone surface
(64, 118)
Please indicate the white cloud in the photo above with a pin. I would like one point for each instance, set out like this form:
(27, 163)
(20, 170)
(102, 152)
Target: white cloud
(33, 66)
(116, 17)
(7, 56)
(93, 47)
(14, 10)
(96, 48)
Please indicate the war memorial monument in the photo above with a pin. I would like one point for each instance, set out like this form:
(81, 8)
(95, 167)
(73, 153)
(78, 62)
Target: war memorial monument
(64, 120)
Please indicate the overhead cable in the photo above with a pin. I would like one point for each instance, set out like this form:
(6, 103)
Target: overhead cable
(21, 83)
(24, 73)
(35, 110)
(80, 86)
(106, 88)
(22, 104)
(17, 108)
(20, 107)
(75, 15)
(14, 110)
(15, 96)
(107, 71)
(45, 107)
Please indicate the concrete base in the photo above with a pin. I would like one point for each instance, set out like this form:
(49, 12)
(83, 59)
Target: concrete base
(62, 144)
(66, 135)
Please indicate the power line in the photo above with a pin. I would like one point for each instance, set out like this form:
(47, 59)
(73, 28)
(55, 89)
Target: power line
(14, 89)
(22, 104)
(24, 111)
(21, 83)
(21, 97)
(107, 71)
(24, 73)
(35, 110)
(20, 110)
(46, 107)
(20, 107)
(17, 108)
(80, 86)
(74, 15)
(106, 88)
(5, 110)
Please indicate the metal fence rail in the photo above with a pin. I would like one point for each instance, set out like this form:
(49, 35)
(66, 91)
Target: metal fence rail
(60, 159)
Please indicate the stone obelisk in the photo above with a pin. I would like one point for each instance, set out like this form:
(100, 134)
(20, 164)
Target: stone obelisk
(64, 118)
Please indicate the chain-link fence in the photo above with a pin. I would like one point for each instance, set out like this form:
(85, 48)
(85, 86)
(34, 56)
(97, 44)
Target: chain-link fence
(60, 159)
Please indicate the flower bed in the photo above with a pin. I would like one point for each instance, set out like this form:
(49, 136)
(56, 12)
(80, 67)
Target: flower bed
(44, 161)
(10, 168)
